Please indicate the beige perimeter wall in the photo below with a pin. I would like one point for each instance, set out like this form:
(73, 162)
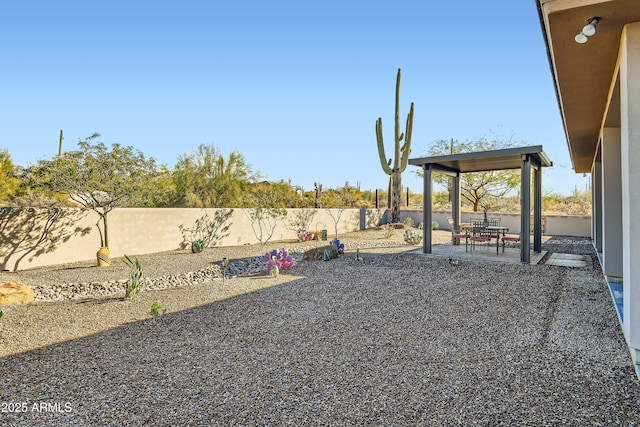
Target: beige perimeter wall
(38, 237)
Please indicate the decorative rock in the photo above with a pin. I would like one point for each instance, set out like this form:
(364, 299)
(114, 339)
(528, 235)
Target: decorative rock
(318, 253)
(15, 293)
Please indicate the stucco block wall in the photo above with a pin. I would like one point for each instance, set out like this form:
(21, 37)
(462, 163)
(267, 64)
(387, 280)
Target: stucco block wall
(37, 237)
(32, 238)
(553, 225)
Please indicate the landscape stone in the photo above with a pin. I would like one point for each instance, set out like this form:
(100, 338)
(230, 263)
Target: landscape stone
(15, 293)
(317, 254)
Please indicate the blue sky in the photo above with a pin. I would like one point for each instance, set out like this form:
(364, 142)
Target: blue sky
(296, 87)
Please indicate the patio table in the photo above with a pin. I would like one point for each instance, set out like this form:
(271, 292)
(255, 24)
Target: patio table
(496, 230)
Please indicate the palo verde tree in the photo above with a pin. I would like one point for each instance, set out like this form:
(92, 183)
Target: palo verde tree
(9, 182)
(206, 179)
(477, 187)
(98, 178)
(401, 153)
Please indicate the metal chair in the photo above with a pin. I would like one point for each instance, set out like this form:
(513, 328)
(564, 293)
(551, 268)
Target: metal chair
(479, 234)
(457, 235)
(510, 240)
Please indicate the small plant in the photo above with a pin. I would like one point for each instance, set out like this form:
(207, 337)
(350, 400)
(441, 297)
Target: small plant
(157, 310)
(1, 313)
(305, 236)
(209, 230)
(388, 231)
(264, 221)
(409, 221)
(435, 225)
(412, 237)
(339, 246)
(279, 259)
(197, 246)
(135, 275)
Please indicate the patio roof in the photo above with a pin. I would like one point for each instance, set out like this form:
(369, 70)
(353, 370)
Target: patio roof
(480, 161)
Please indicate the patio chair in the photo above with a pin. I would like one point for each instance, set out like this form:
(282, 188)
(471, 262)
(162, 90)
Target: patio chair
(479, 235)
(511, 240)
(494, 222)
(457, 235)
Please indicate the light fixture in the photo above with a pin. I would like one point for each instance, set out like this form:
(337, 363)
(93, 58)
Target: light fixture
(581, 38)
(588, 30)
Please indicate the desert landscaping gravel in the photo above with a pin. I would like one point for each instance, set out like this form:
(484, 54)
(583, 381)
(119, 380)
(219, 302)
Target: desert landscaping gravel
(399, 338)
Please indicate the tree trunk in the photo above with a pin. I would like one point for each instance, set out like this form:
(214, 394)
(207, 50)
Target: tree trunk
(104, 226)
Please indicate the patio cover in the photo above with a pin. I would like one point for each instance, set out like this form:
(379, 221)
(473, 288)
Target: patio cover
(523, 158)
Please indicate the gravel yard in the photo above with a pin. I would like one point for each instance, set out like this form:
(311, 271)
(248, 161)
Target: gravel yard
(398, 338)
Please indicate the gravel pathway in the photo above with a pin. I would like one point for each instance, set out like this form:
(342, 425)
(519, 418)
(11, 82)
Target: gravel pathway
(395, 339)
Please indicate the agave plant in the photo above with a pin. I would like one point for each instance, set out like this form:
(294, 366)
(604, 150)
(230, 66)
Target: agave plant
(135, 276)
(278, 258)
(197, 246)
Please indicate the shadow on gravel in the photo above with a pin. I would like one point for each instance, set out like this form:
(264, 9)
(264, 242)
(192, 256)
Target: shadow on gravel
(391, 340)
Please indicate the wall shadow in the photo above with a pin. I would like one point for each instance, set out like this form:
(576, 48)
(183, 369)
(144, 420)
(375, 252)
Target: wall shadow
(26, 233)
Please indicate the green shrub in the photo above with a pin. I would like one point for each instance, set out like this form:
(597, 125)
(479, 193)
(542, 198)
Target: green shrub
(197, 246)
(157, 310)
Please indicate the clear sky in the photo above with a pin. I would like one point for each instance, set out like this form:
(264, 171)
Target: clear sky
(294, 86)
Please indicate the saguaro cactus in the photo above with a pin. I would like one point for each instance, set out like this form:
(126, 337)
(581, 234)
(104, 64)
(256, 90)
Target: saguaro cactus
(318, 187)
(401, 153)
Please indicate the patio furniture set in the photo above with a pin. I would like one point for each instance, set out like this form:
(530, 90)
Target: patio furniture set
(482, 231)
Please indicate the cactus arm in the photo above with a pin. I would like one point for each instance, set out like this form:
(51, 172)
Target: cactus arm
(409, 128)
(406, 148)
(383, 157)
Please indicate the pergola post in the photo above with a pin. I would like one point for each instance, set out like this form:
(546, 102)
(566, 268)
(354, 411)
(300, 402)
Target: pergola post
(455, 199)
(427, 215)
(537, 209)
(525, 208)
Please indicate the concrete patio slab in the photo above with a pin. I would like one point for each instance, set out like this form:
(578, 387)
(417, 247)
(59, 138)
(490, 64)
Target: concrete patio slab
(569, 260)
(458, 252)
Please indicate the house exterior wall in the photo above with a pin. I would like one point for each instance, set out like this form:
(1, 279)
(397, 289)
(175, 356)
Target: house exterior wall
(596, 201)
(630, 140)
(611, 205)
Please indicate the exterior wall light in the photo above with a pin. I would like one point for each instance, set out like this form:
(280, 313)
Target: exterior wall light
(588, 30)
(581, 38)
